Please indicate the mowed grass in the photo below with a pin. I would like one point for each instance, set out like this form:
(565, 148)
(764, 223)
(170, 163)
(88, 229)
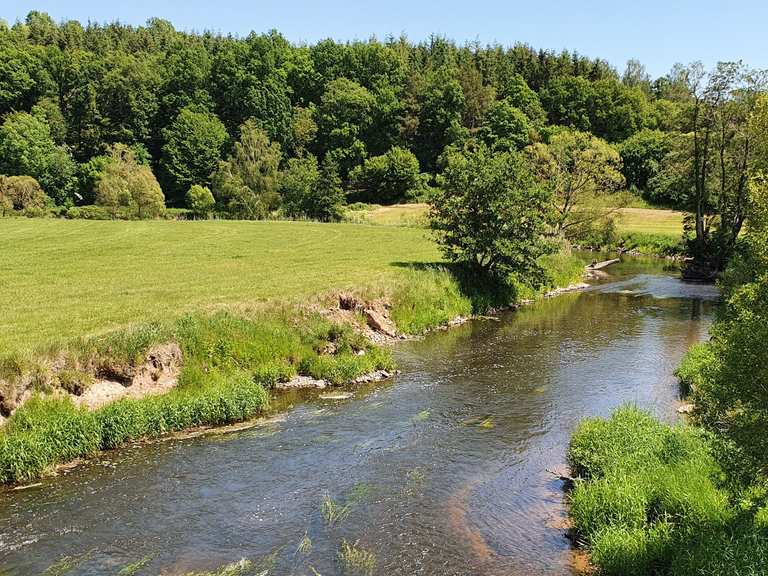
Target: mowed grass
(62, 279)
(651, 221)
(630, 220)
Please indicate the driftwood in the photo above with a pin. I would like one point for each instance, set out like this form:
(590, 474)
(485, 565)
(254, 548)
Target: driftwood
(604, 264)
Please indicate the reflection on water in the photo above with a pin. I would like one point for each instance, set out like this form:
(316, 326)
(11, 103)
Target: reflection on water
(443, 471)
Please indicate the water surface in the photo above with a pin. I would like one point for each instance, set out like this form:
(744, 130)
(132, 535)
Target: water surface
(444, 468)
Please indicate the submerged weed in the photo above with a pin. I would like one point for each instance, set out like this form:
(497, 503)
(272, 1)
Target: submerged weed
(132, 568)
(243, 567)
(332, 512)
(66, 564)
(421, 416)
(355, 560)
(305, 545)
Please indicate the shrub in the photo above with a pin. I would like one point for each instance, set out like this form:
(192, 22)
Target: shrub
(23, 194)
(693, 368)
(129, 188)
(389, 178)
(200, 201)
(95, 213)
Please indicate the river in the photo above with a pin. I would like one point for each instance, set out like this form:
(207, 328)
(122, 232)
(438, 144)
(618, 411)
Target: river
(443, 470)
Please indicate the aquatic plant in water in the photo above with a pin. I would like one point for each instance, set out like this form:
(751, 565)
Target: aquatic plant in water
(67, 564)
(334, 512)
(356, 560)
(305, 545)
(134, 567)
(242, 567)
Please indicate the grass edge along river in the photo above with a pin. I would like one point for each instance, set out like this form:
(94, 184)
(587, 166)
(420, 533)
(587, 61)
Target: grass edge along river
(233, 354)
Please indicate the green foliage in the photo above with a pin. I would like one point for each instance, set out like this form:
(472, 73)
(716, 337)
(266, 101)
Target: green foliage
(200, 201)
(246, 184)
(327, 202)
(694, 368)
(193, 145)
(344, 114)
(311, 192)
(729, 374)
(641, 156)
(27, 148)
(22, 194)
(576, 168)
(387, 179)
(128, 188)
(506, 127)
(604, 107)
(490, 213)
(649, 500)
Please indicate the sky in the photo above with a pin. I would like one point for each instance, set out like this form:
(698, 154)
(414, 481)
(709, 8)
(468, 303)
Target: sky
(657, 32)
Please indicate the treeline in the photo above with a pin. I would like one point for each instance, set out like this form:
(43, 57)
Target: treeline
(265, 124)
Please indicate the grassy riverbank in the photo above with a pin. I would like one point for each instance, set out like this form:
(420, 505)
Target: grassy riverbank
(652, 499)
(241, 327)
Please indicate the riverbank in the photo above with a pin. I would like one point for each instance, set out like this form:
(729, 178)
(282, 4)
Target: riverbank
(218, 368)
(652, 498)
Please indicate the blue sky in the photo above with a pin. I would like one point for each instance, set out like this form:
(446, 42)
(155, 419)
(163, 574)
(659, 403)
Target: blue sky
(658, 32)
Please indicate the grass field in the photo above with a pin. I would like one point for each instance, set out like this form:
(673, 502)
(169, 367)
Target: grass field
(61, 279)
(631, 220)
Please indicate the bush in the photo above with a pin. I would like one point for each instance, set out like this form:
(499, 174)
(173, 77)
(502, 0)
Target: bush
(23, 194)
(387, 179)
(694, 367)
(200, 201)
(94, 213)
(128, 188)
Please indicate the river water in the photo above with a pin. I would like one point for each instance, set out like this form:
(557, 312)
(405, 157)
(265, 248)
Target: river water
(443, 470)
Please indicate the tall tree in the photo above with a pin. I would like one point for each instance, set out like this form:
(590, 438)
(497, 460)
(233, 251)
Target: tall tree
(576, 167)
(490, 213)
(28, 149)
(192, 148)
(246, 184)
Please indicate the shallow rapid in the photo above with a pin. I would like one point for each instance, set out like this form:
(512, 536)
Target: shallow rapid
(444, 470)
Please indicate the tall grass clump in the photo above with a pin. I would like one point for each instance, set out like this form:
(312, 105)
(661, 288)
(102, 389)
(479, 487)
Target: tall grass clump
(648, 495)
(221, 399)
(427, 298)
(562, 269)
(43, 432)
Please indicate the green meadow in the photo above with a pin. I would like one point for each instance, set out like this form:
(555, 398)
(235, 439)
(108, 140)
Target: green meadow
(61, 279)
